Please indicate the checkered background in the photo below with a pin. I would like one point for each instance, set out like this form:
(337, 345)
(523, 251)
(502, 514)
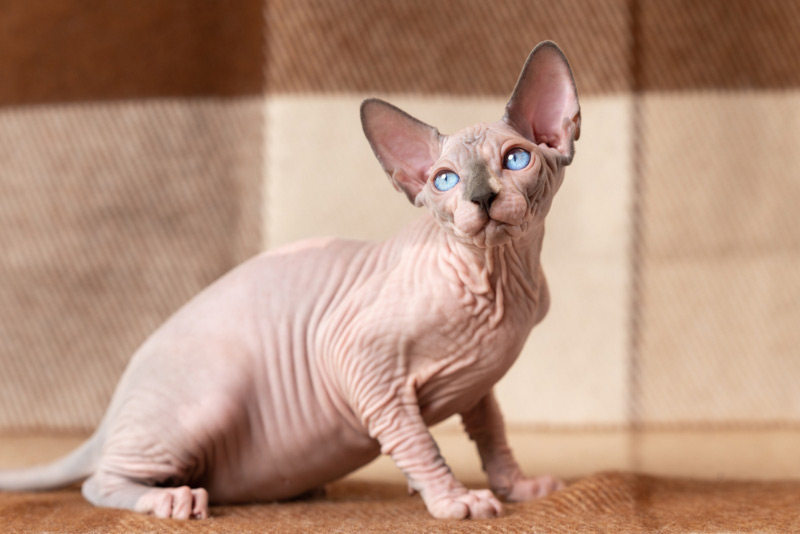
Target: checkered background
(146, 147)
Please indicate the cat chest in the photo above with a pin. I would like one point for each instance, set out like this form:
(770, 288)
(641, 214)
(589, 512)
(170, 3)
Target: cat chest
(457, 364)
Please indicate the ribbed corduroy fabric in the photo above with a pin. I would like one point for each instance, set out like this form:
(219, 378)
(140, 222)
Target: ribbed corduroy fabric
(607, 502)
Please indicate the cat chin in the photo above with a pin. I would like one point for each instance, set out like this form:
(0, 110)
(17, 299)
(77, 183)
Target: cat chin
(495, 233)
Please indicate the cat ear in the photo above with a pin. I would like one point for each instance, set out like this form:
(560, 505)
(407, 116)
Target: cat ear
(405, 147)
(544, 105)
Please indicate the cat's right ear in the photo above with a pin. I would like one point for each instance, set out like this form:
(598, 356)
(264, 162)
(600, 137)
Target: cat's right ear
(405, 147)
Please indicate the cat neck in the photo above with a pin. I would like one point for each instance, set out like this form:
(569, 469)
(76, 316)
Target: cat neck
(510, 269)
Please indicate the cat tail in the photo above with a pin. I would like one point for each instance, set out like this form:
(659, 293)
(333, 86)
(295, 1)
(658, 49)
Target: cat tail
(74, 467)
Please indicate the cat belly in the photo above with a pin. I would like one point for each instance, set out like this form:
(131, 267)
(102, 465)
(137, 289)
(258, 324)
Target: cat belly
(244, 426)
(263, 472)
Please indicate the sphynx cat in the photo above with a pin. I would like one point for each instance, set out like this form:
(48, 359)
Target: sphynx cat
(307, 362)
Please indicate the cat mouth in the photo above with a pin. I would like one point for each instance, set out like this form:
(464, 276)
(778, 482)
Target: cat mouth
(498, 225)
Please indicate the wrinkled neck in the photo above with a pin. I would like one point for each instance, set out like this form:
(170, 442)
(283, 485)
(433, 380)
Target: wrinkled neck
(511, 268)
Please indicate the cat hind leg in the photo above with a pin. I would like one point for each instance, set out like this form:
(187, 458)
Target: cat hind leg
(113, 491)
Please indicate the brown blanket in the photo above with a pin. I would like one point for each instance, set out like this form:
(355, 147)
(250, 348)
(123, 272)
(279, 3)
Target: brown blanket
(143, 153)
(607, 502)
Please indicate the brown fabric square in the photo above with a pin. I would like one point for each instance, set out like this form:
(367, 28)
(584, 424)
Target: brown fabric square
(463, 47)
(77, 50)
(734, 44)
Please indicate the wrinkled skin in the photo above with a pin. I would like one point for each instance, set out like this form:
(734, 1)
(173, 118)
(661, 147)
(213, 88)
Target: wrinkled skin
(306, 362)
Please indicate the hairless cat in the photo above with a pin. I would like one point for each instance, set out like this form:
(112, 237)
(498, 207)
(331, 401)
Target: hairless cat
(306, 362)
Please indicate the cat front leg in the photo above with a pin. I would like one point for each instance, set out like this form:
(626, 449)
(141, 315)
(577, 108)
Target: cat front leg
(484, 424)
(399, 428)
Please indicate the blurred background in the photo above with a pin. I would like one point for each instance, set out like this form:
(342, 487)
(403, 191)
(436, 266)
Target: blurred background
(146, 147)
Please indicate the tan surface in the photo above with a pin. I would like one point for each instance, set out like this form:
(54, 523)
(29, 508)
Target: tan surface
(610, 502)
(721, 283)
(729, 454)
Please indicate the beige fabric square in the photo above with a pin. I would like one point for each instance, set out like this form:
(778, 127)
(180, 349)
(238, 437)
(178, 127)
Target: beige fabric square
(322, 179)
(721, 258)
(761, 453)
(113, 216)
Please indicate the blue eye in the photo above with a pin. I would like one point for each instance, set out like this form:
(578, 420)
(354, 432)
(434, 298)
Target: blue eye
(517, 159)
(445, 180)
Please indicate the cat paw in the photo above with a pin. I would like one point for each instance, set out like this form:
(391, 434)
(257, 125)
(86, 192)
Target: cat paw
(526, 489)
(175, 503)
(474, 504)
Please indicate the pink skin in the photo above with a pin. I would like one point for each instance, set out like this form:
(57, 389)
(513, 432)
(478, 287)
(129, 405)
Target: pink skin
(358, 347)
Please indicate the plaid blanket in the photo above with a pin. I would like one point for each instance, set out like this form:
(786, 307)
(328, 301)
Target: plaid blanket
(146, 147)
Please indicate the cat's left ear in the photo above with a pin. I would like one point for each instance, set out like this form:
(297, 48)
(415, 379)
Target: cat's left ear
(544, 105)
(406, 148)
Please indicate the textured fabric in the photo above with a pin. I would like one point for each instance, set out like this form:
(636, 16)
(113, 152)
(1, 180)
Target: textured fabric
(114, 215)
(462, 47)
(720, 258)
(721, 44)
(609, 502)
(74, 51)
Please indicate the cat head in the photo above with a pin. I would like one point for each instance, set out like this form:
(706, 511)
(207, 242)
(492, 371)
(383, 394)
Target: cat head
(486, 184)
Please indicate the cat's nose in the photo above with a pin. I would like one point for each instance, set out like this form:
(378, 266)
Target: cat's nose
(481, 187)
(484, 199)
